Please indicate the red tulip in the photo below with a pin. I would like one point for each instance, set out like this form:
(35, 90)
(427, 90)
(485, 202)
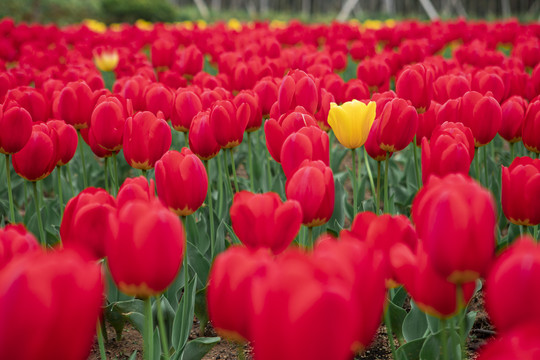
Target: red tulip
(397, 126)
(190, 60)
(187, 105)
(309, 143)
(107, 122)
(67, 140)
(455, 218)
(312, 185)
(48, 290)
(531, 127)
(255, 114)
(450, 151)
(85, 223)
(15, 129)
(519, 343)
(32, 100)
(133, 89)
(356, 89)
(484, 81)
(512, 286)
(298, 89)
(146, 139)
(264, 221)
(448, 87)
(513, 114)
(90, 139)
(159, 98)
(415, 84)
(229, 294)
(15, 241)
(75, 104)
(39, 156)
(182, 182)
(520, 190)
(375, 73)
(147, 248)
(162, 52)
(201, 137)
(372, 148)
(267, 92)
(482, 114)
(135, 189)
(416, 272)
(229, 122)
(427, 122)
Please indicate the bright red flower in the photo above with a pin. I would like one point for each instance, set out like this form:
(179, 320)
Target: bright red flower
(397, 126)
(448, 87)
(187, 105)
(158, 98)
(427, 122)
(75, 104)
(255, 114)
(298, 89)
(201, 137)
(15, 240)
(15, 129)
(309, 143)
(415, 84)
(67, 140)
(135, 189)
(513, 115)
(482, 114)
(30, 99)
(229, 122)
(163, 52)
(531, 127)
(108, 121)
(375, 73)
(518, 343)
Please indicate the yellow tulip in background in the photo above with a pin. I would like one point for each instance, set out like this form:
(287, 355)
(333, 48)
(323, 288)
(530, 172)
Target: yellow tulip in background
(107, 60)
(351, 123)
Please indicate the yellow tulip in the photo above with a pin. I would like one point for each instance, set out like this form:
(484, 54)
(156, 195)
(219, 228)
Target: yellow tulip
(107, 60)
(351, 122)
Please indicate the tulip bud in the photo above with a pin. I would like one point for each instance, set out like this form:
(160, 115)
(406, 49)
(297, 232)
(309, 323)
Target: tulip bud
(375, 73)
(398, 125)
(267, 92)
(159, 98)
(15, 241)
(182, 182)
(75, 104)
(162, 52)
(415, 84)
(32, 100)
(15, 129)
(229, 122)
(187, 105)
(135, 189)
(531, 127)
(255, 114)
(67, 140)
(513, 114)
(298, 89)
(427, 122)
(201, 137)
(309, 143)
(351, 122)
(482, 114)
(448, 87)
(107, 122)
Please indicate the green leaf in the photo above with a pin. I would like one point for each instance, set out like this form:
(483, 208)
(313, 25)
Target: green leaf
(338, 217)
(197, 348)
(183, 322)
(434, 324)
(220, 238)
(399, 296)
(415, 324)
(199, 263)
(200, 307)
(410, 350)
(157, 344)
(432, 348)
(133, 355)
(136, 319)
(397, 316)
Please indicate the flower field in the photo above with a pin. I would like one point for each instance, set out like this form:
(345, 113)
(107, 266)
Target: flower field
(294, 187)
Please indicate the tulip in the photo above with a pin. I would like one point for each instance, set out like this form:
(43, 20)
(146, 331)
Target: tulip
(146, 250)
(32, 100)
(67, 140)
(133, 89)
(255, 114)
(415, 84)
(146, 139)
(264, 221)
(484, 81)
(15, 241)
(313, 187)
(107, 59)
(426, 123)
(511, 287)
(482, 114)
(187, 105)
(107, 122)
(298, 89)
(448, 87)
(519, 343)
(138, 188)
(159, 98)
(75, 104)
(190, 60)
(201, 137)
(309, 143)
(85, 223)
(49, 290)
(89, 137)
(398, 125)
(267, 92)
(229, 122)
(15, 129)
(513, 114)
(229, 293)
(455, 218)
(375, 73)
(531, 127)
(372, 148)
(520, 190)
(450, 151)
(181, 181)
(414, 270)
(351, 122)
(162, 52)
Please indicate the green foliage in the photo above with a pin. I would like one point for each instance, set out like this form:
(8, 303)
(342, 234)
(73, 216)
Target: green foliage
(132, 10)
(44, 11)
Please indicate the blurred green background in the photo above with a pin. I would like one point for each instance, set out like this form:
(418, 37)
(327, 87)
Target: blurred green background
(110, 11)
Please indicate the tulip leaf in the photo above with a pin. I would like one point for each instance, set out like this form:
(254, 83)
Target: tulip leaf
(397, 315)
(117, 321)
(198, 263)
(335, 224)
(183, 322)
(168, 315)
(399, 296)
(220, 238)
(197, 348)
(172, 291)
(137, 320)
(201, 311)
(414, 324)
(133, 355)
(157, 344)
(432, 348)
(410, 350)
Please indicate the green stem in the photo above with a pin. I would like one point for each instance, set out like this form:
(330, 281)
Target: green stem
(143, 171)
(162, 331)
(386, 202)
(25, 194)
(70, 179)
(378, 192)
(116, 184)
(240, 351)
(186, 274)
(250, 163)
(477, 164)
(220, 185)
(444, 339)
(460, 303)
(106, 172)
(60, 195)
(101, 343)
(148, 334)
(237, 189)
(228, 177)
(210, 210)
(512, 151)
(370, 174)
(417, 169)
(83, 161)
(10, 191)
(389, 332)
(354, 183)
(310, 237)
(42, 238)
(486, 177)
(186, 139)
(268, 172)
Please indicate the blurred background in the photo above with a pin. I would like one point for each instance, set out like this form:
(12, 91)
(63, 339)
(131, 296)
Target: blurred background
(112, 11)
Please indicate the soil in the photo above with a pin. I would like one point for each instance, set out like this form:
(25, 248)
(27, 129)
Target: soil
(481, 332)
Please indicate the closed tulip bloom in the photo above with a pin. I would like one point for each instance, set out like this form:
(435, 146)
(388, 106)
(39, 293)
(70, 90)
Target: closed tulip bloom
(67, 140)
(255, 114)
(375, 73)
(190, 61)
(158, 97)
(427, 122)
(313, 187)
(483, 114)
(39, 156)
(372, 148)
(138, 188)
(201, 137)
(15, 129)
(229, 122)
(298, 89)
(398, 125)
(133, 89)
(448, 87)
(531, 127)
(85, 223)
(484, 81)
(267, 92)
(415, 271)
(29, 98)
(15, 241)
(147, 248)
(146, 139)
(89, 138)
(106, 59)
(309, 143)
(518, 343)
(450, 151)
(351, 122)
(187, 105)
(181, 180)
(513, 114)
(455, 218)
(107, 122)
(512, 286)
(520, 190)
(75, 104)
(229, 293)
(415, 84)
(264, 221)
(48, 290)
(163, 52)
